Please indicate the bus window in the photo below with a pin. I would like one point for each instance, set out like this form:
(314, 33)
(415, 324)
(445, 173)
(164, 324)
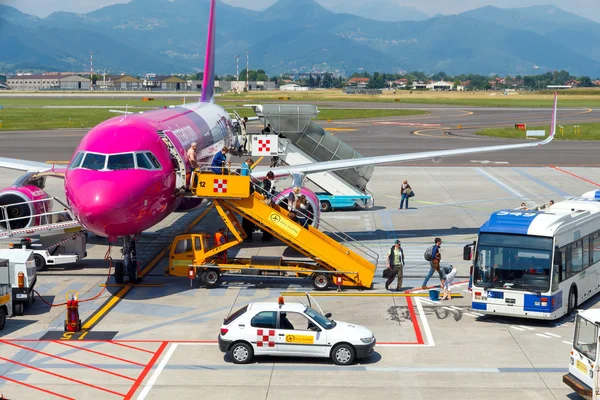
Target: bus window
(595, 247)
(586, 251)
(577, 257)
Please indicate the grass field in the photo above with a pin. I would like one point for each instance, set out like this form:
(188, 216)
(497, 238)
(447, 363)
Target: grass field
(587, 132)
(580, 98)
(56, 118)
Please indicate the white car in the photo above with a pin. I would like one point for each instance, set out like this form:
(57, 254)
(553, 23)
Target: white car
(292, 329)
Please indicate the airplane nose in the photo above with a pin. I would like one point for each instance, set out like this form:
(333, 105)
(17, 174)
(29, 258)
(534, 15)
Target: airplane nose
(103, 207)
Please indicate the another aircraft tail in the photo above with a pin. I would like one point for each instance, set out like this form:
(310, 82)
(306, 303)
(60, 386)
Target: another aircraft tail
(553, 122)
(208, 81)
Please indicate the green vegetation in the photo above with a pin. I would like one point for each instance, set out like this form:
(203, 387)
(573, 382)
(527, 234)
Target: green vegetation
(60, 118)
(587, 132)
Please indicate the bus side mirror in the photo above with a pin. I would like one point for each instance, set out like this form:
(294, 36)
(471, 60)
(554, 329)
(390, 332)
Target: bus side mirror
(467, 252)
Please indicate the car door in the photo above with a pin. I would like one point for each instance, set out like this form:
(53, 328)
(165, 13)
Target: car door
(299, 335)
(182, 253)
(264, 326)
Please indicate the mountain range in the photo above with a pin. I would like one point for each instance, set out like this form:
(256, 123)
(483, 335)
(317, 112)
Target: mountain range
(165, 36)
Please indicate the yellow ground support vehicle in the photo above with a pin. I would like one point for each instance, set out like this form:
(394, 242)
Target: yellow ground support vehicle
(331, 261)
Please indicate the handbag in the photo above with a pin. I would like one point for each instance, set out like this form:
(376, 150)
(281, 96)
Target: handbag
(412, 194)
(387, 272)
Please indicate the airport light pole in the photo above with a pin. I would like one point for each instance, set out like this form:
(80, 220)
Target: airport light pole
(237, 73)
(91, 71)
(247, 69)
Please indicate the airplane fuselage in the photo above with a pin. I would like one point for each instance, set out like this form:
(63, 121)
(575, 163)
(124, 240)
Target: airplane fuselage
(113, 185)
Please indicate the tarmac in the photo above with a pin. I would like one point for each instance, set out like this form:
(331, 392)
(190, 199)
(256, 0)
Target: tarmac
(158, 339)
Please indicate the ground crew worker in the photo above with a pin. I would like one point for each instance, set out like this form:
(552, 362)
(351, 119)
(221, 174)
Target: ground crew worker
(219, 161)
(246, 167)
(221, 239)
(434, 253)
(395, 261)
(244, 135)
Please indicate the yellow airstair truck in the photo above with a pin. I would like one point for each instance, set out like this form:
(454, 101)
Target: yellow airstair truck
(331, 262)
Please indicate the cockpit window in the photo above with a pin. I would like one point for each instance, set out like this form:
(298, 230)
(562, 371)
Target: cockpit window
(77, 160)
(94, 161)
(120, 161)
(153, 160)
(142, 161)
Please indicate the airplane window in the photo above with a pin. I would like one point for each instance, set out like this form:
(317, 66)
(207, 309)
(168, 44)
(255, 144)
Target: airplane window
(142, 161)
(94, 161)
(77, 160)
(153, 160)
(120, 161)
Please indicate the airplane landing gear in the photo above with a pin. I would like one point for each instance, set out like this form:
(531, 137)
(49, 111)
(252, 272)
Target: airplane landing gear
(129, 266)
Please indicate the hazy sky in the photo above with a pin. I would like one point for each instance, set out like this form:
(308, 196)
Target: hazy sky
(587, 8)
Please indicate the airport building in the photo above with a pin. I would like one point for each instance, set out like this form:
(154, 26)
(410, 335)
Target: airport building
(3, 84)
(33, 83)
(441, 85)
(120, 82)
(163, 82)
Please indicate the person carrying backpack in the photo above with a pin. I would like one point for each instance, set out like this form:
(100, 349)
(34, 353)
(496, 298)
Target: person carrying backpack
(430, 254)
(395, 262)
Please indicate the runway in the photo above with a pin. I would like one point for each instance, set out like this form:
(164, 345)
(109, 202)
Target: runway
(437, 130)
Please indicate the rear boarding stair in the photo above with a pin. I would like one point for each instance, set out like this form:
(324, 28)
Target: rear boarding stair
(345, 264)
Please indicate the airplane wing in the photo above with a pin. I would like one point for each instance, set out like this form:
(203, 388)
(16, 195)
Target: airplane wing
(260, 172)
(25, 165)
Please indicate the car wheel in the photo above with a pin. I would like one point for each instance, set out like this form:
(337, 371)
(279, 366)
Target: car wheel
(343, 354)
(320, 281)
(119, 272)
(325, 206)
(2, 318)
(18, 308)
(241, 353)
(40, 263)
(572, 305)
(211, 278)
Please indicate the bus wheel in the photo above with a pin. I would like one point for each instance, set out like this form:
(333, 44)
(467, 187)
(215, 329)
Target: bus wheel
(572, 305)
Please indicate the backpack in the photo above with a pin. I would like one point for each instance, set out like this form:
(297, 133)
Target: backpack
(428, 252)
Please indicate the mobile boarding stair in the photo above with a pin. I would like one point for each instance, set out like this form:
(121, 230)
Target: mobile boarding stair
(305, 142)
(349, 261)
(36, 217)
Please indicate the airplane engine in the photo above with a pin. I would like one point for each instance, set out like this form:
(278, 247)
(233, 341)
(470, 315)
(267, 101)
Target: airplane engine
(311, 197)
(22, 206)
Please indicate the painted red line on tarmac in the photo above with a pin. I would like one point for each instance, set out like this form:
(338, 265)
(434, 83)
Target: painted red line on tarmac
(397, 343)
(133, 347)
(413, 317)
(99, 353)
(576, 176)
(36, 388)
(62, 376)
(67, 360)
(140, 379)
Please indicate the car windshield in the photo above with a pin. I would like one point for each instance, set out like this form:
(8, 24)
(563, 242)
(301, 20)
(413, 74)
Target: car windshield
(516, 262)
(120, 161)
(94, 161)
(586, 336)
(321, 319)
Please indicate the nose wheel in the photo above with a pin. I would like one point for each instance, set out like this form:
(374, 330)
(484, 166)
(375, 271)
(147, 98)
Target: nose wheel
(129, 266)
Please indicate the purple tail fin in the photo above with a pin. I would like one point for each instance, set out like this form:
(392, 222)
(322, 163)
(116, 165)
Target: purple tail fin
(208, 82)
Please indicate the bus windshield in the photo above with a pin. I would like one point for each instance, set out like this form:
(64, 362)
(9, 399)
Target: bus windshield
(516, 262)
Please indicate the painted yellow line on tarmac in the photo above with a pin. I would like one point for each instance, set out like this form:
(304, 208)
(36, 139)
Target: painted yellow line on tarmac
(338, 294)
(341, 129)
(100, 313)
(56, 162)
(127, 287)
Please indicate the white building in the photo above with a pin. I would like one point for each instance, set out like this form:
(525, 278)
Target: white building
(441, 85)
(33, 83)
(74, 82)
(292, 87)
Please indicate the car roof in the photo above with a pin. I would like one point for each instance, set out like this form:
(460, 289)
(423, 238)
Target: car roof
(274, 306)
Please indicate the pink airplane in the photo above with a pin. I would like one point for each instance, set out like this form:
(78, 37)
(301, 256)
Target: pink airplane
(125, 174)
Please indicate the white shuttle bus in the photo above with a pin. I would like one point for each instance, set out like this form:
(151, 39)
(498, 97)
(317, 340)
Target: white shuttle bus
(537, 263)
